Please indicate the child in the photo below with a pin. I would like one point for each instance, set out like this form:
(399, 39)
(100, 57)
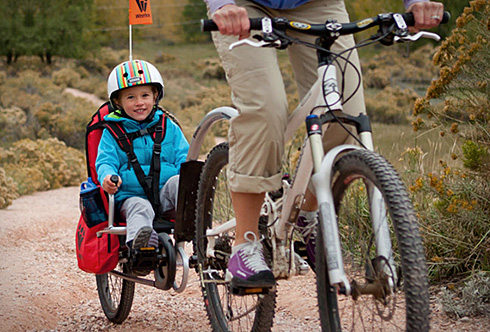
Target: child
(134, 89)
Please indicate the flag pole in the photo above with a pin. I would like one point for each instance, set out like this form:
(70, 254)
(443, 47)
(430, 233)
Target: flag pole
(139, 13)
(130, 43)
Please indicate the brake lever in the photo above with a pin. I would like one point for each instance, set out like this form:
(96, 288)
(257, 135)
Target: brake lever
(417, 36)
(252, 43)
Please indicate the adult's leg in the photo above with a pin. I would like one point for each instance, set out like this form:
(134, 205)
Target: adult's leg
(256, 134)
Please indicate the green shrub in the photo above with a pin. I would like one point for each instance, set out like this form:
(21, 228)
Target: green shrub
(66, 120)
(472, 298)
(8, 189)
(473, 155)
(164, 58)
(211, 68)
(106, 59)
(47, 111)
(394, 67)
(92, 85)
(13, 124)
(195, 107)
(391, 105)
(43, 164)
(66, 77)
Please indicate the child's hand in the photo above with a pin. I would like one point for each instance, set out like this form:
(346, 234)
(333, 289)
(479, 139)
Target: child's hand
(109, 186)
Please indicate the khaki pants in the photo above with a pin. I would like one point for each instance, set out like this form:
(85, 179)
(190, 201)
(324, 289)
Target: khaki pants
(256, 136)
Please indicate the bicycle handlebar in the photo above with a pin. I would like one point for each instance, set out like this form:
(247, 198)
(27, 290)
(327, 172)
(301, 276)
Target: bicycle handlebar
(321, 29)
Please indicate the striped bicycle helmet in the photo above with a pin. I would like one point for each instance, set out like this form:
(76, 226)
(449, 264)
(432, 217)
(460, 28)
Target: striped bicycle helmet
(132, 73)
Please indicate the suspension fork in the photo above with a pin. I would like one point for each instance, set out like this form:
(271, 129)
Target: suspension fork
(321, 179)
(379, 219)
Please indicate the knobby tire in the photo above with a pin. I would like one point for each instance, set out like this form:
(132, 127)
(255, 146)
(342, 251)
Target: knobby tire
(408, 308)
(226, 312)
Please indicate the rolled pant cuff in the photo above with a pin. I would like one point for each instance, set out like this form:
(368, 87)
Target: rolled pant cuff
(253, 184)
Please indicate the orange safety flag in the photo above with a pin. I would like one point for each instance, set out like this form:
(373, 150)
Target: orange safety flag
(140, 12)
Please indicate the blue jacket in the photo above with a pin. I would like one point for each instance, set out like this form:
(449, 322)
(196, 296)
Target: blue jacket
(111, 159)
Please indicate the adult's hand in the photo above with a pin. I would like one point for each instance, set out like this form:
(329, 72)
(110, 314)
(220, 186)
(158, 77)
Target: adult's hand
(426, 14)
(232, 20)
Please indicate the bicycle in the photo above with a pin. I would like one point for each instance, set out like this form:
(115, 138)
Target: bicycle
(370, 257)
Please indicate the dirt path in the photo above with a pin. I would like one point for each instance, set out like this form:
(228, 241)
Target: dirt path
(88, 96)
(42, 289)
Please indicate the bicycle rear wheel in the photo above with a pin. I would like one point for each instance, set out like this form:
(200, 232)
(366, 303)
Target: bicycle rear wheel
(226, 311)
(378, 309)
(115, 295)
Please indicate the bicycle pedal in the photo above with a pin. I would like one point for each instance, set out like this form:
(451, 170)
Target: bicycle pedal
(147, 248)
(242, 291)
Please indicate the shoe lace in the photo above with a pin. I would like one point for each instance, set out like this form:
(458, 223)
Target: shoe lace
(252, 254)
(309, 230)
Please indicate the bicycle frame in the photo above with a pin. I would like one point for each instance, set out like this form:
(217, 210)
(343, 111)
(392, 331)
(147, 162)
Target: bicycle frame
(313, 160)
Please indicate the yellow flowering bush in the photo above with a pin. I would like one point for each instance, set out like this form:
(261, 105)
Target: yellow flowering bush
(454, 203)
(464, 71)
(452, 207)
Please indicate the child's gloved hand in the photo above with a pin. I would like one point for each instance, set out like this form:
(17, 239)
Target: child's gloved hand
(109, 186)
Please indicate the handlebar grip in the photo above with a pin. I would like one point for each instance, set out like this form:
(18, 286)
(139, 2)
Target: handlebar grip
(446, 17)
(115, 179)
(209, 25)
(408, 17)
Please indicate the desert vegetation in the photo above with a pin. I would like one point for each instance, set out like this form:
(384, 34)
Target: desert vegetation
(429, 105)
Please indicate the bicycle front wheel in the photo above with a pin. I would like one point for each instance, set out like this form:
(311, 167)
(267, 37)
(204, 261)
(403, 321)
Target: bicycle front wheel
(115, 295)
(226, 311)
(383, 298)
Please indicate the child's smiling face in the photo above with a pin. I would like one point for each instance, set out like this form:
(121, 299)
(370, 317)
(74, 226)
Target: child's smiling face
(137, 101)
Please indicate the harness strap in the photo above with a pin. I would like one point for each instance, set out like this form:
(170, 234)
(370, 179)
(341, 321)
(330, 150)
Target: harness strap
(151, 182)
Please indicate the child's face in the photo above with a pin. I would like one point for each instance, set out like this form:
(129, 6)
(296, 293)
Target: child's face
(137, 101)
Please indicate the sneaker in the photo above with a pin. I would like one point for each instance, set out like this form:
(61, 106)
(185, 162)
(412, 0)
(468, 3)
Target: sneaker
(307, 228)
(144, 243)
(247, 267)
(146, 237)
